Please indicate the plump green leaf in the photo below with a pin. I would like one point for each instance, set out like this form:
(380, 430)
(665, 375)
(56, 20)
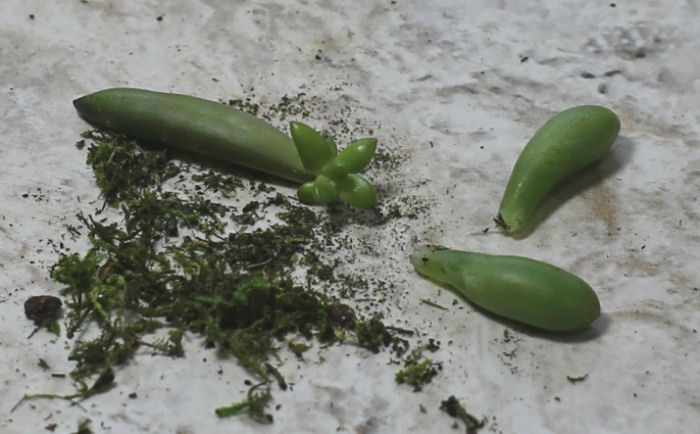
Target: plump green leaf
(335, 171)
(314, 150)
(357, 155)
(326, 190)
(305, 192)
(358, 192)
(321, 191)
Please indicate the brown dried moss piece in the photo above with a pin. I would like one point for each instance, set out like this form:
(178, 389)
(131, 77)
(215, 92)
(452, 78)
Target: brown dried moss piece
(454, 408)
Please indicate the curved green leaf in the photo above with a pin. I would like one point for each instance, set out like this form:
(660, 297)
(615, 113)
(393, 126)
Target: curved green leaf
(357, 155)
(305, 192)
(314, 150)
(321, 191)
(335, 171)
(358, 192)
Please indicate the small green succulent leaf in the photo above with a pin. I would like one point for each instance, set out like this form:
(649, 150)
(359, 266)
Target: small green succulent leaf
(335, 171)
(314, 150)
(357, 155)
(321, 191)
(358, 192)
(305, 192)
(326, 190)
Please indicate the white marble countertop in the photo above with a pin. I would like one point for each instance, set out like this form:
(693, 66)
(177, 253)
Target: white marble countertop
(456, 87)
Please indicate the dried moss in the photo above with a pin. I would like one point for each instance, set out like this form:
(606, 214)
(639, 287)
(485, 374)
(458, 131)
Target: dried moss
(169, 262)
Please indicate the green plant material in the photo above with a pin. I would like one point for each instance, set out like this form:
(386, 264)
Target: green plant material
(299, 348)
(321, 191)
(277, 375)
(104, 382)
(418, 370)
(254, 405)
(167, 263)
(122, 167)
(194, 124)
(521, 289)
(358, 192)
(336, 173)
(32, 396)
(314, 150)
(357, 155)
(574, 380)
(432, 304)
(454, 408)
(55, 328)
(84, 428)
(213, 181)
(227, 134)
(43, 365)
(565, 144)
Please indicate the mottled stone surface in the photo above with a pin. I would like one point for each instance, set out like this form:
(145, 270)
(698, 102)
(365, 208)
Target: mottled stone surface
(456, 88)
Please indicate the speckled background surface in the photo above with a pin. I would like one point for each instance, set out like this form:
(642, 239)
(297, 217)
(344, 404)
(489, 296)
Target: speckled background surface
(456, 89)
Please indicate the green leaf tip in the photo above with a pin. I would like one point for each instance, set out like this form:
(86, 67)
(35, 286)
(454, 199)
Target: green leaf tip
(357, 155)
(314, 150)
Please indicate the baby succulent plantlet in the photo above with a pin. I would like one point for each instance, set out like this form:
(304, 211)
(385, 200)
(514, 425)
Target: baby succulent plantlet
(335, 172)
(521, 289)
(222, 132)
(568, 142)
